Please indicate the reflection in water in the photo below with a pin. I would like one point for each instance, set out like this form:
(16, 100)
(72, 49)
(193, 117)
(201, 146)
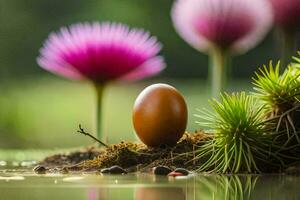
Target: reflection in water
(217, 187)
(109, 193)
(160, 193)
(15, 186)
(220, 187)
(139, 193)
(3, 163)
(226, 187)
(92, 194)
(14, 178)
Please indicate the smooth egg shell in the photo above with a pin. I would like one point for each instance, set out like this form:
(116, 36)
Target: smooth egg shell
(159, 115)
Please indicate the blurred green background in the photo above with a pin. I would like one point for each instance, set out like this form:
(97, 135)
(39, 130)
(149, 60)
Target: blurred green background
(41, 110)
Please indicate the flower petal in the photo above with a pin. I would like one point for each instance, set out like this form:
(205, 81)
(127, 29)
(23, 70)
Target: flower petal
(233, 24)
(98, 52)
(149, 68)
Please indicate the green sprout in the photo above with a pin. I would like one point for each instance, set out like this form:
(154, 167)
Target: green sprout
(281, 95)
(240, 143)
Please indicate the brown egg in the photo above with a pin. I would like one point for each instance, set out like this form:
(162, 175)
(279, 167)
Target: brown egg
(159, 115)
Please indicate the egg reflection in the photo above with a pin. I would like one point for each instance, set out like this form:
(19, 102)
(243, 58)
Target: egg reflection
(159, 194)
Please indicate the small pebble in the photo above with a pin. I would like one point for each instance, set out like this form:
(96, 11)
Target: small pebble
(39, 169)
(117, 170)
(105, 171)
(161, 170)
(182, 170)
(175, 174)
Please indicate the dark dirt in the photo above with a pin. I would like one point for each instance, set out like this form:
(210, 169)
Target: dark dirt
(130, 156)
(73, 158)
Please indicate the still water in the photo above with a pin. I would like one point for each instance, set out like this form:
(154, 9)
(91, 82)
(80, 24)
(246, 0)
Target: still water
(20, 183)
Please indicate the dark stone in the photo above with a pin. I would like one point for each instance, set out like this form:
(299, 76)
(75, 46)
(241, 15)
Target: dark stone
(182, 170)
(161, 170)
(39, 169)
(105, 171)
(117, 170)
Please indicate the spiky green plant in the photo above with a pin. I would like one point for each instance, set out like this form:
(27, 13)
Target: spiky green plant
(281, 94)
(239, 141)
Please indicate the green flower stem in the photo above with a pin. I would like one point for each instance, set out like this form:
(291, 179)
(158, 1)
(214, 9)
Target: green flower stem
(99, 95)
(288, 48)
(219, 64)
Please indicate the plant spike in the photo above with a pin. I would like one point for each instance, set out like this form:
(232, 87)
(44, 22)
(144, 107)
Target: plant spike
(239, 143)
(280, 94)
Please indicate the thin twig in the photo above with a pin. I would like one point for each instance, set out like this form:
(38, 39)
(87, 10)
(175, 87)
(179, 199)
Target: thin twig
(81, 130)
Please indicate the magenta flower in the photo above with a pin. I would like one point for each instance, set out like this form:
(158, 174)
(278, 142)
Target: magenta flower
(221, 27)
(101, 53)
(287, 18)
(232, 24)
(287, 14)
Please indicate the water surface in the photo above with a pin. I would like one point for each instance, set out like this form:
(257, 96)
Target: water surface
(18, 182)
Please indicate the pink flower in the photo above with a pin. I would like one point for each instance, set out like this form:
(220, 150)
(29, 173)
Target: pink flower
(287, 14)
(237, 25)
(101, 52)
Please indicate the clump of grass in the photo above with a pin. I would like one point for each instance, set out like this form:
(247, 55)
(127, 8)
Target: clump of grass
(280, 93)
(239, 144)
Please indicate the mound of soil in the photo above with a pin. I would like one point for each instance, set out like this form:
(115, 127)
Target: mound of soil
(130, 156)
